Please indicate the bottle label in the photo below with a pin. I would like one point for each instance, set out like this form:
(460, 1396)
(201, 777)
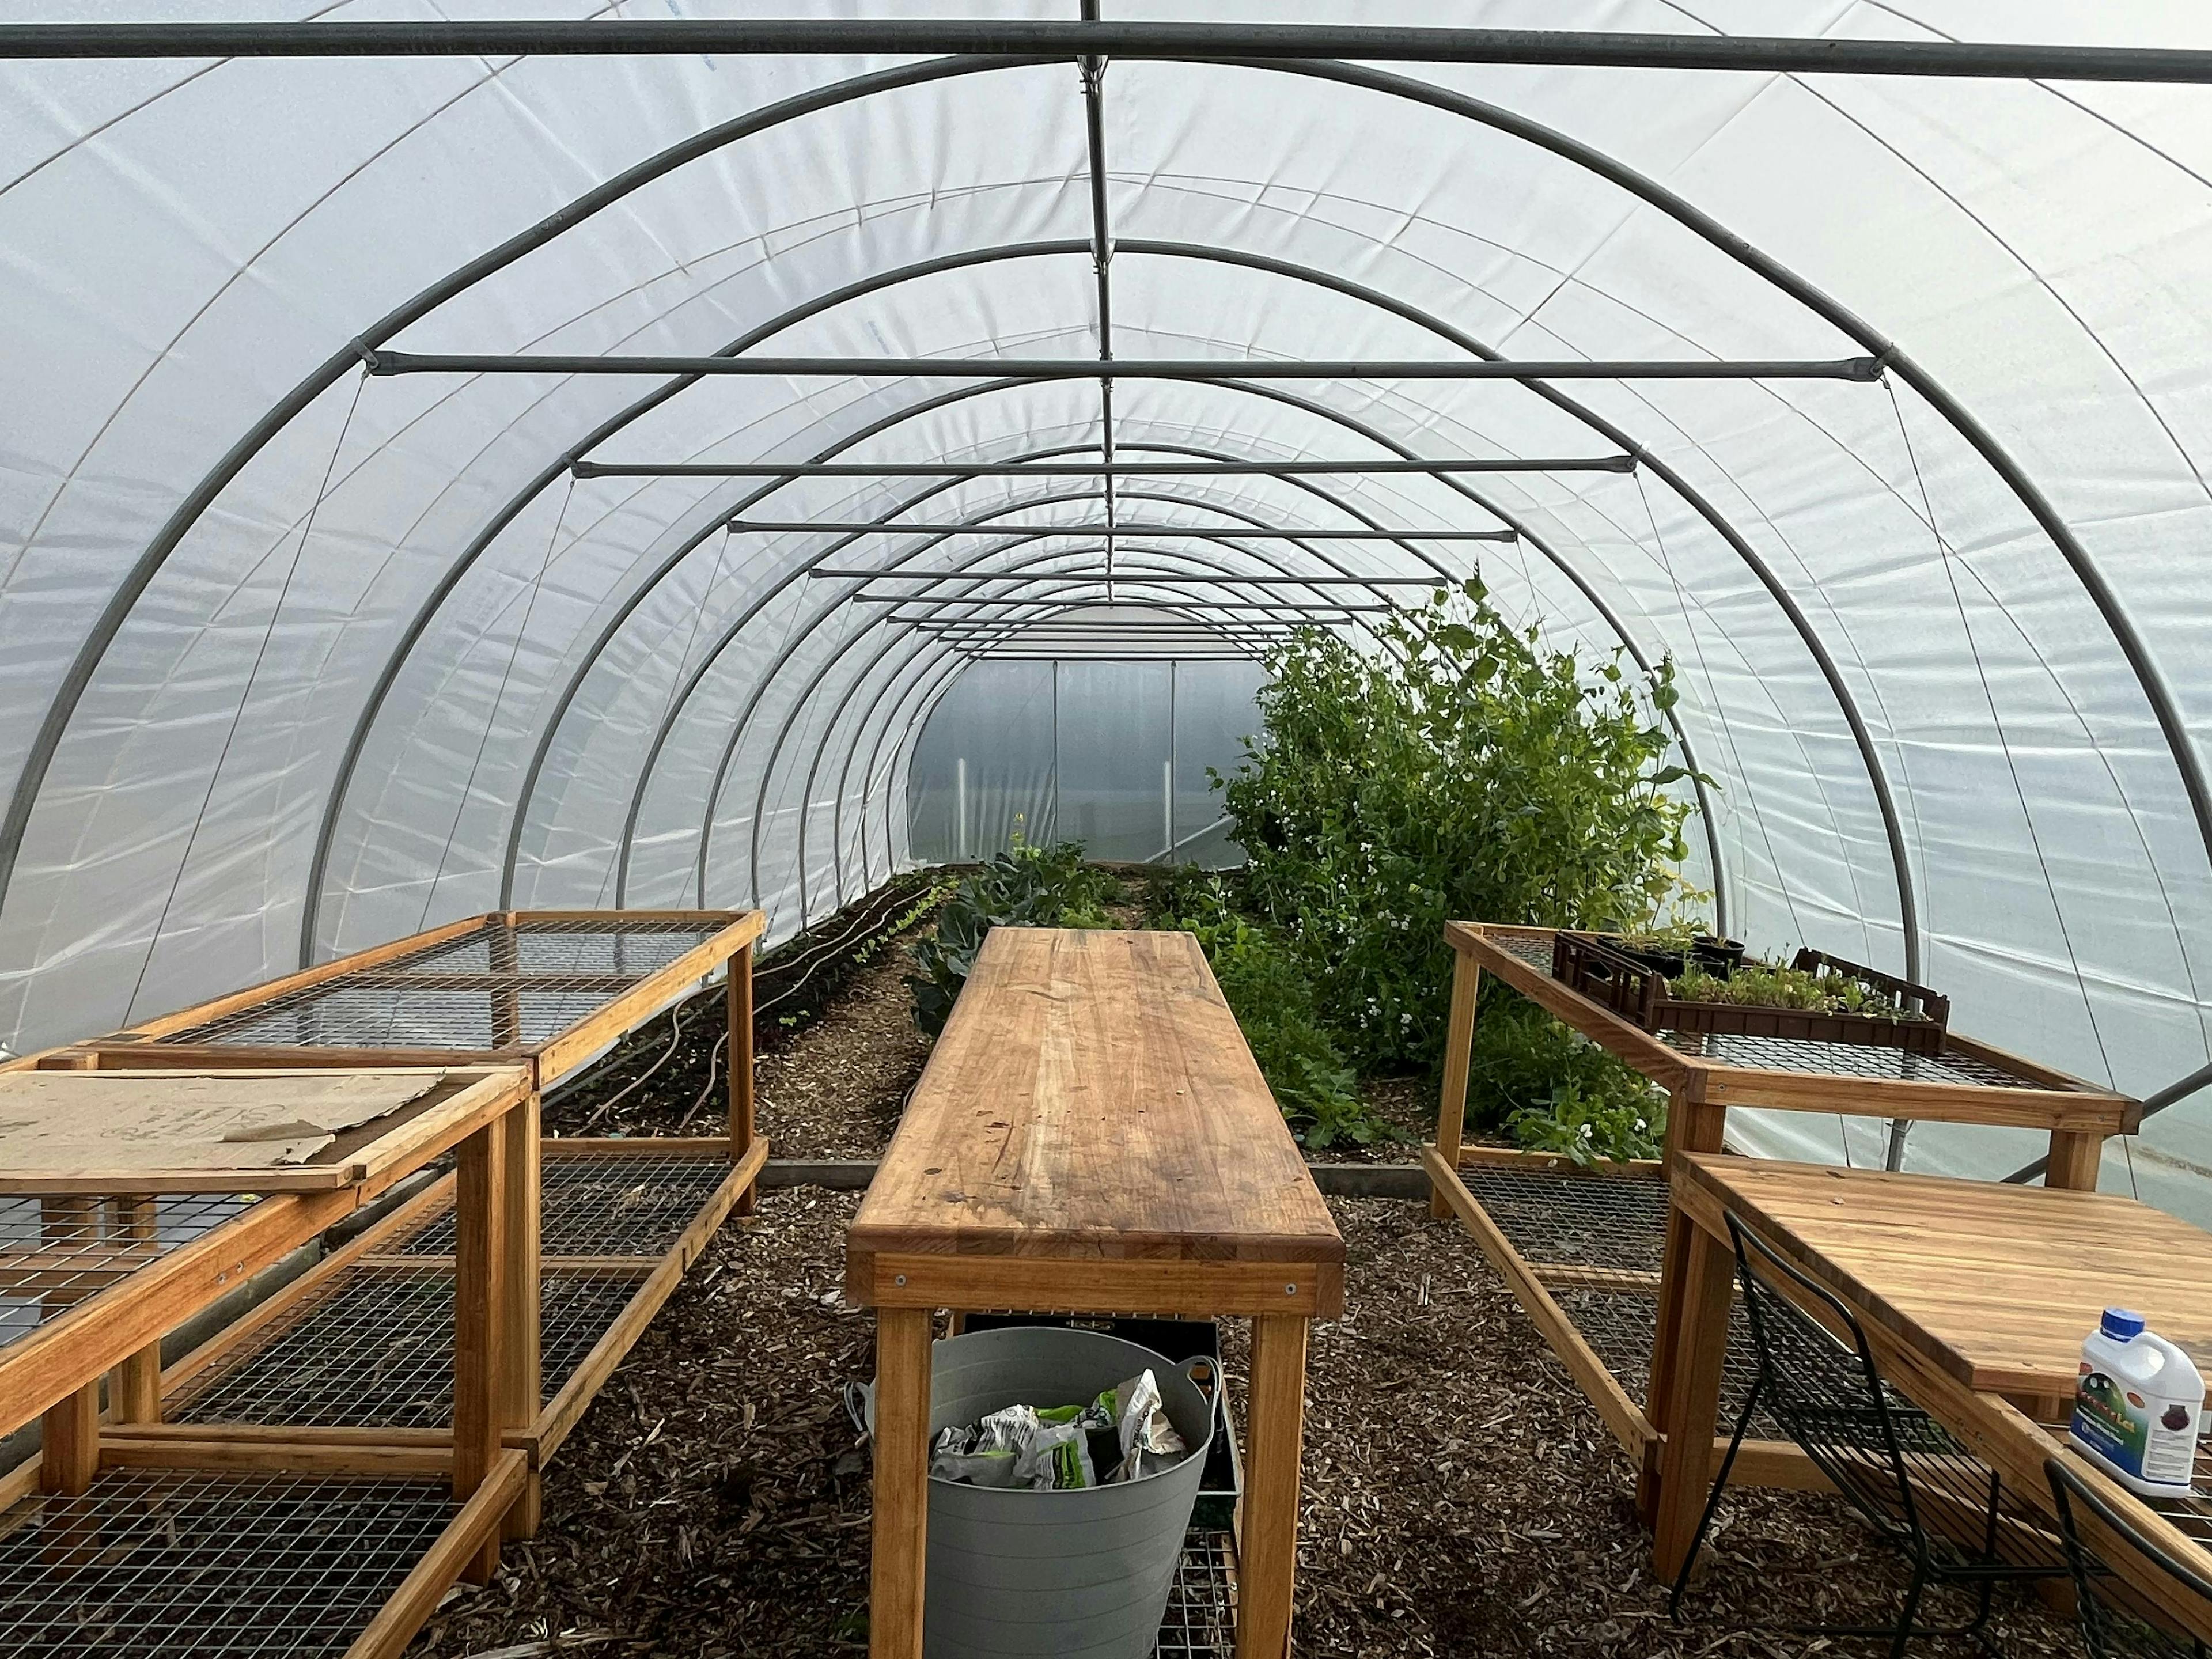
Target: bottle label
(2150, 1440)
(2105, 1423)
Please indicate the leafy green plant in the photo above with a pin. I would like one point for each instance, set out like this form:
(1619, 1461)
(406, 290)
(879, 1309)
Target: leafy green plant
(1027, 885)
(1589, 1131)
(1522, 1061)
(1463, 770)
(1273, 1002)
(1759, 985)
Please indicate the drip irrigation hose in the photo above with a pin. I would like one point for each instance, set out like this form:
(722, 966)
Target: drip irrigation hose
(675, 1037)
(714, 1071)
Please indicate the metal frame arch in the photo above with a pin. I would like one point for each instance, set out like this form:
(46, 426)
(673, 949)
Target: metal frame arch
(1603, 609)
(919, 658)
(1348, 423)
(707, 661)
(739, 728)
(859, 288)
(2142, 663)
(1350, 290)
(2149, 677)
(1225, 577)
(1068, 603)
(54, 724)
(435, 600)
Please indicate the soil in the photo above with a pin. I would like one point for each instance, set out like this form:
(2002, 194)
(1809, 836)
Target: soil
(1461, 1497)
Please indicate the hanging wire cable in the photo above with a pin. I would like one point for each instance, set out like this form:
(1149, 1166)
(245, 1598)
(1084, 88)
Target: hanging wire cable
(498, 702)
(246, 695)
(1944, 556)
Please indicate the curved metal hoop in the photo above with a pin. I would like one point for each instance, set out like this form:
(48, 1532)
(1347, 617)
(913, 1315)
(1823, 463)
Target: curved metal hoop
(2135, 651)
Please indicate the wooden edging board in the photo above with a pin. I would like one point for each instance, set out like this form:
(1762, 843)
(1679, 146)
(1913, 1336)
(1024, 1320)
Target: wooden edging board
(2059, 1103)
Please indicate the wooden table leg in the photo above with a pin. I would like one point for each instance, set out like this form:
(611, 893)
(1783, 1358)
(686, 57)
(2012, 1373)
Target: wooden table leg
(519, 1361)
(901, 1538)
(479, 1266)
(133, 1387)
(1268, 1549)
(1685, 1457)
(70, 1443)
(740, 1007)
(1459, 1048)
(1691, 1126)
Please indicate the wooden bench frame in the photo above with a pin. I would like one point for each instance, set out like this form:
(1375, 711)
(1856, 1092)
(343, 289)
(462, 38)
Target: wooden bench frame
(506, 1499)
(2078, 1116)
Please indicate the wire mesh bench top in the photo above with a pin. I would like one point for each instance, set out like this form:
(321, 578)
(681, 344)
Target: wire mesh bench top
(1792, 1071)
(553, 985)
(373, 1348)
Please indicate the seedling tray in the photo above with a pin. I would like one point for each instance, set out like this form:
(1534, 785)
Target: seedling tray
(1589, 963)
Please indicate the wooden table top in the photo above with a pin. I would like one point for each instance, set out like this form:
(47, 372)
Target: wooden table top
(1997, 1285)
(290, 1130)
(1092, 1098)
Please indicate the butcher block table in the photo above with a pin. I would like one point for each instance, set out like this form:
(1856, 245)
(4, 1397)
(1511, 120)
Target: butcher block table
(1091, 1135)
(1975, 1296)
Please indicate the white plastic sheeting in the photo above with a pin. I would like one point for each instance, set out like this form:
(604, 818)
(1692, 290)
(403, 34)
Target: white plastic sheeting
(1113, 753)
(392, 666)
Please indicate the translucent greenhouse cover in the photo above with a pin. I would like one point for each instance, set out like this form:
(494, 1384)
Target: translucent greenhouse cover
(296, 659)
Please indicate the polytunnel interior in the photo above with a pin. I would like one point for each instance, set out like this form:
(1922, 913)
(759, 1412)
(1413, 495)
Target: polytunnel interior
(308, 646)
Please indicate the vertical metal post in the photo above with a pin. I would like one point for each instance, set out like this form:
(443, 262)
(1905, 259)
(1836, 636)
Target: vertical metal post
(1175, 670)
(960, 809)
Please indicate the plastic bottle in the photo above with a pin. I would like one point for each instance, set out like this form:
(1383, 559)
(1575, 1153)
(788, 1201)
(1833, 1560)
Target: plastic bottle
(2137, 1404)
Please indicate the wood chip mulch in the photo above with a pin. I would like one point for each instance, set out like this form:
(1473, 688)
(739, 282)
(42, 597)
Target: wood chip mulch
(1461, 1497)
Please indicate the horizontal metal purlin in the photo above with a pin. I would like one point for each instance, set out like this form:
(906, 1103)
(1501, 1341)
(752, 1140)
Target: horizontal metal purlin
(1136, 368)
(1127, 573)
(1109, 655)
(1237, 533)
(1233, 42)
(1208, 607)
(1083, 470)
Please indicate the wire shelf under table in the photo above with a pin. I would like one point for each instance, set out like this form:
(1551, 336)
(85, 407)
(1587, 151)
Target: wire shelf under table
(373, 1348)
(605, 1204)
(170, 1564)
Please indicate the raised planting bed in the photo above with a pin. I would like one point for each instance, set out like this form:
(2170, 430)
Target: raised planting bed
(1599, 968)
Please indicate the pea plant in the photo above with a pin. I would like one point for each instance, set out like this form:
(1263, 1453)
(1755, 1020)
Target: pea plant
(1464, 769)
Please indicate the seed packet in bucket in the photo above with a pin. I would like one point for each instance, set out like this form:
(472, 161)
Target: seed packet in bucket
(1057, 1459)
(1149, 1442)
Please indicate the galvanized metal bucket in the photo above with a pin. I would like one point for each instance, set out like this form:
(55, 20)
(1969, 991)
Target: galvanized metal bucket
(1030, 1575)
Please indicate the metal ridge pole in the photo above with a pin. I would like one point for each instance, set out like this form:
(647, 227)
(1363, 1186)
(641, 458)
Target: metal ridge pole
(1862, 369)
(854, 37)
(1170, 577)
(582, 469)
(1317, 533)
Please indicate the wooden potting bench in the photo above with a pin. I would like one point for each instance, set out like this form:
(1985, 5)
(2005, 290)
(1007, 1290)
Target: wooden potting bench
(1596, 1258)
(354, 1359)
(151, 1229)
(1091, 1135)
(549, 991)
